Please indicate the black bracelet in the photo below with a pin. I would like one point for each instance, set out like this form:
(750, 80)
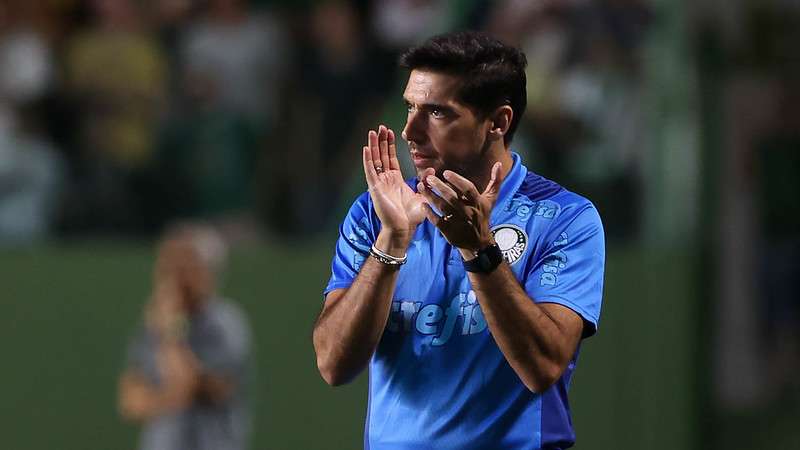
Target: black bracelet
(487, 259)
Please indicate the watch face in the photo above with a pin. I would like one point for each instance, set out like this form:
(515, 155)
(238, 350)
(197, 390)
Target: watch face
(512, 241)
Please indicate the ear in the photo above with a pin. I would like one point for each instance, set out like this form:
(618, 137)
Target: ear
(500, 122)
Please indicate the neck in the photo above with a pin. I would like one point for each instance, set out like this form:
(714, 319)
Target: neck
(482, 172)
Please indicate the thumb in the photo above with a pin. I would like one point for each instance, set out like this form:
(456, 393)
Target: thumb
(493, 188)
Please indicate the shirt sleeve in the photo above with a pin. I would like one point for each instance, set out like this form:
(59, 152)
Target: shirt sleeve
(136, 353)
(356, 235)
(140, 355)
(230, 348)
(570, 270)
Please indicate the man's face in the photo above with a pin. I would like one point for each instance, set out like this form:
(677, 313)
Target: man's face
(179, 262)
(442, 133)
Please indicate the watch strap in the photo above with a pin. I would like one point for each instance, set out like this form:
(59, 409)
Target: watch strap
(486, 260)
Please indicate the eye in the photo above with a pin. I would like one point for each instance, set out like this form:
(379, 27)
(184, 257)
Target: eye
(409, 107)
(437, 113)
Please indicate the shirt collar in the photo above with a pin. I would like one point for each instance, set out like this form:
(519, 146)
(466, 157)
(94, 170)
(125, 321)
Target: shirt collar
(511, 184)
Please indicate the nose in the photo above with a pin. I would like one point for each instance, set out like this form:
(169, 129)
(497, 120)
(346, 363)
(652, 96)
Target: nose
(414, 129)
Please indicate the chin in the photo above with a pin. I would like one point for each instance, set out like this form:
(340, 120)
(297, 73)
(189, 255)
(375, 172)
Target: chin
(438, 171)
(419, 169)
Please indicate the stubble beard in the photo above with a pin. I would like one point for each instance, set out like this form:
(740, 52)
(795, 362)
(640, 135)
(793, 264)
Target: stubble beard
(476, 169)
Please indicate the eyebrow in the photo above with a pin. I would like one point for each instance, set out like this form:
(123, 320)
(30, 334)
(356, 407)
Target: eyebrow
(429, 105)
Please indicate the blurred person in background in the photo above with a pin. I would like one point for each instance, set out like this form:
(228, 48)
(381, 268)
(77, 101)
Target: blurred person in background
(774, 168)
(397, 25)
(188, 365)
(31, 168)
(240, 54)
(601, 89)
(333, 94)
(756, 340)
(469, 321)
(231, 61)
(542, 30)
(116, 76)
(587, 121)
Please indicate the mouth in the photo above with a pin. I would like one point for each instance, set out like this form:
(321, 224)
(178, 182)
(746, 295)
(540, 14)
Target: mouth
(422, 159)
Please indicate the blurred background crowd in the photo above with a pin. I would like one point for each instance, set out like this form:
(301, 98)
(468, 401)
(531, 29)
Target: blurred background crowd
(680, 120)
(119, 116)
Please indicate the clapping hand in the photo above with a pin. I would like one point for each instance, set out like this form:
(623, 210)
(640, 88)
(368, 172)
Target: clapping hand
(399, 208)
(465, 211)
(164, 313)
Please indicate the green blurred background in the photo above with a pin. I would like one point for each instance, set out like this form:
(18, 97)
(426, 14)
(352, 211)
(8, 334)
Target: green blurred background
(69, 310)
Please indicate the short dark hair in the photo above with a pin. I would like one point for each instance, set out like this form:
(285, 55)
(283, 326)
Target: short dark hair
(493, 73)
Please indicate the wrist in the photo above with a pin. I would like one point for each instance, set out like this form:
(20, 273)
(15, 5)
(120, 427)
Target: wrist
(469, 253)
(393, 242)
(485, 261)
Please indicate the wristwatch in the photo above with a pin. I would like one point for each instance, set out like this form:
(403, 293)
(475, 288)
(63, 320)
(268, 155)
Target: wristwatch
(486, 260)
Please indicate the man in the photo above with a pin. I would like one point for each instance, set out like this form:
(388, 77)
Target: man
(187, 366)
(468, 289)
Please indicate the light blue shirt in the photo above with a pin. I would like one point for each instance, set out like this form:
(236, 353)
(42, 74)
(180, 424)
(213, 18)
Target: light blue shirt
(438, 379)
